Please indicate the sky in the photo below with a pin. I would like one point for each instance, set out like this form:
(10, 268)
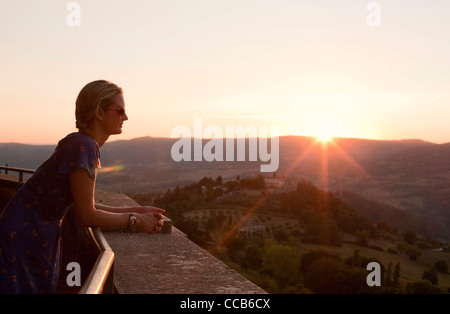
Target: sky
(307, 67)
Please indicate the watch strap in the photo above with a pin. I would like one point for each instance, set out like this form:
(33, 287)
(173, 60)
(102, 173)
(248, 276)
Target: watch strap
(131, 221)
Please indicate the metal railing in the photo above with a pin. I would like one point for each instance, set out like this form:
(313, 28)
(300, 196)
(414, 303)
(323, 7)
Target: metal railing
(101, 277)
(21, 171)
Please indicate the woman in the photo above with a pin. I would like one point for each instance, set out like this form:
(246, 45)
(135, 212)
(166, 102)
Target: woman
(30, 225)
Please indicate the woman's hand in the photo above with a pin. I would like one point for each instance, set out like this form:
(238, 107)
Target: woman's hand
(150, 219)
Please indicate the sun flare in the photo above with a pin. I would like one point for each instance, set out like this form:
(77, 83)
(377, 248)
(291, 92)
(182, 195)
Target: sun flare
(324, 129)
(325, 138)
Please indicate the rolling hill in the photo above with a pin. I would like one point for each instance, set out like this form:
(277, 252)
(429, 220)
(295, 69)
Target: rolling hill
(410, 178)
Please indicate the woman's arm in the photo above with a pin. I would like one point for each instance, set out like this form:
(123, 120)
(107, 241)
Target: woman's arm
(83, 187)
(129, 209)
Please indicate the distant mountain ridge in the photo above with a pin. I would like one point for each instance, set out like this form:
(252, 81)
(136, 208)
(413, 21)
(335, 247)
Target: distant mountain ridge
(410, 175)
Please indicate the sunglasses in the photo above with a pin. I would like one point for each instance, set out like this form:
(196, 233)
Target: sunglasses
(121, 111)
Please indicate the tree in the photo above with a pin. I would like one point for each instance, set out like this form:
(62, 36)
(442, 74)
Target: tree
(383, 226)
(356, 259)
(431, 276)
(320, 276)
(412, 252)
(234, 244)
(388, 276)
(410, 237)
(363, 237)
(329, 275)
(325, 234)
(283, 262)
(396, 276)
(252, 258)
(280, 235)
(441, 265)
(314, 255)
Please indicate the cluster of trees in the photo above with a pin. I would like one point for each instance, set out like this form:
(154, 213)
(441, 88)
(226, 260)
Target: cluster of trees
(427, 285)
(313, 206)
(280, 268)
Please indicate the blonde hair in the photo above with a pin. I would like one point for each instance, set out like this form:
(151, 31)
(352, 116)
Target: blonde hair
(97, 94)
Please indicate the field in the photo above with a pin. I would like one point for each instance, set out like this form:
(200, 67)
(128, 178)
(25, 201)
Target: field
(244, 217)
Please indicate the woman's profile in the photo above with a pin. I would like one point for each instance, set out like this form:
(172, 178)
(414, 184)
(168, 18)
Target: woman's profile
(30, 225)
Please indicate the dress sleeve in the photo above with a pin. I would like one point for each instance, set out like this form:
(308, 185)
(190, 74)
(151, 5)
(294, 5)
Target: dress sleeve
(79, 154)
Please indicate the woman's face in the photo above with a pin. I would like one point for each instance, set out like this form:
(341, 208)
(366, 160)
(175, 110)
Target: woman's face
(115, 115)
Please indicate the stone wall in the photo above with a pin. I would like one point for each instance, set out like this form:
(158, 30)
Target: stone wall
(167, 263)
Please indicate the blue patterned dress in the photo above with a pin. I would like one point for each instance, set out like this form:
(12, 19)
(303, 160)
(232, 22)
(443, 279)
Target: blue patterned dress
(30, 225)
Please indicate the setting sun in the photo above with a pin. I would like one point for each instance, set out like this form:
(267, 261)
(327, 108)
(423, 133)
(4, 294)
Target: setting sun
(324, 138)
(324, 129)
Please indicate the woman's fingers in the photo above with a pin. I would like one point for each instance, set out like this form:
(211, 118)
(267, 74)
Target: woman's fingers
(158, 216)
(154, 222)
(158, 210)
(153, 209)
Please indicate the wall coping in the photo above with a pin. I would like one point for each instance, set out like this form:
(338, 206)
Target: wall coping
(167, 263)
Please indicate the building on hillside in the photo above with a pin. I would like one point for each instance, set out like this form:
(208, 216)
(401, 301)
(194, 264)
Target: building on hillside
(283, 184)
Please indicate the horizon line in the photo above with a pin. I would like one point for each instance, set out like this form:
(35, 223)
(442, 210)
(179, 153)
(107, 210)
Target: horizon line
(234, 138)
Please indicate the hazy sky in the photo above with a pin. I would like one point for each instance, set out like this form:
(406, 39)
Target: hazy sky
(304, 66)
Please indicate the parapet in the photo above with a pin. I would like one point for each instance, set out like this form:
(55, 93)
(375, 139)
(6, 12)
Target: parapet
(167, 262)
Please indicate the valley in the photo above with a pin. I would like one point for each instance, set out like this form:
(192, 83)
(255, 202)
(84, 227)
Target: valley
(408, 179)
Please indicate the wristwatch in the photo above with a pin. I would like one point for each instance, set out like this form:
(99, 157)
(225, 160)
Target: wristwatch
(131, 221)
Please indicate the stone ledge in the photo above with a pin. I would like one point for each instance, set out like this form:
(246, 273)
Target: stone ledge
(167, 263)
(171, 264)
